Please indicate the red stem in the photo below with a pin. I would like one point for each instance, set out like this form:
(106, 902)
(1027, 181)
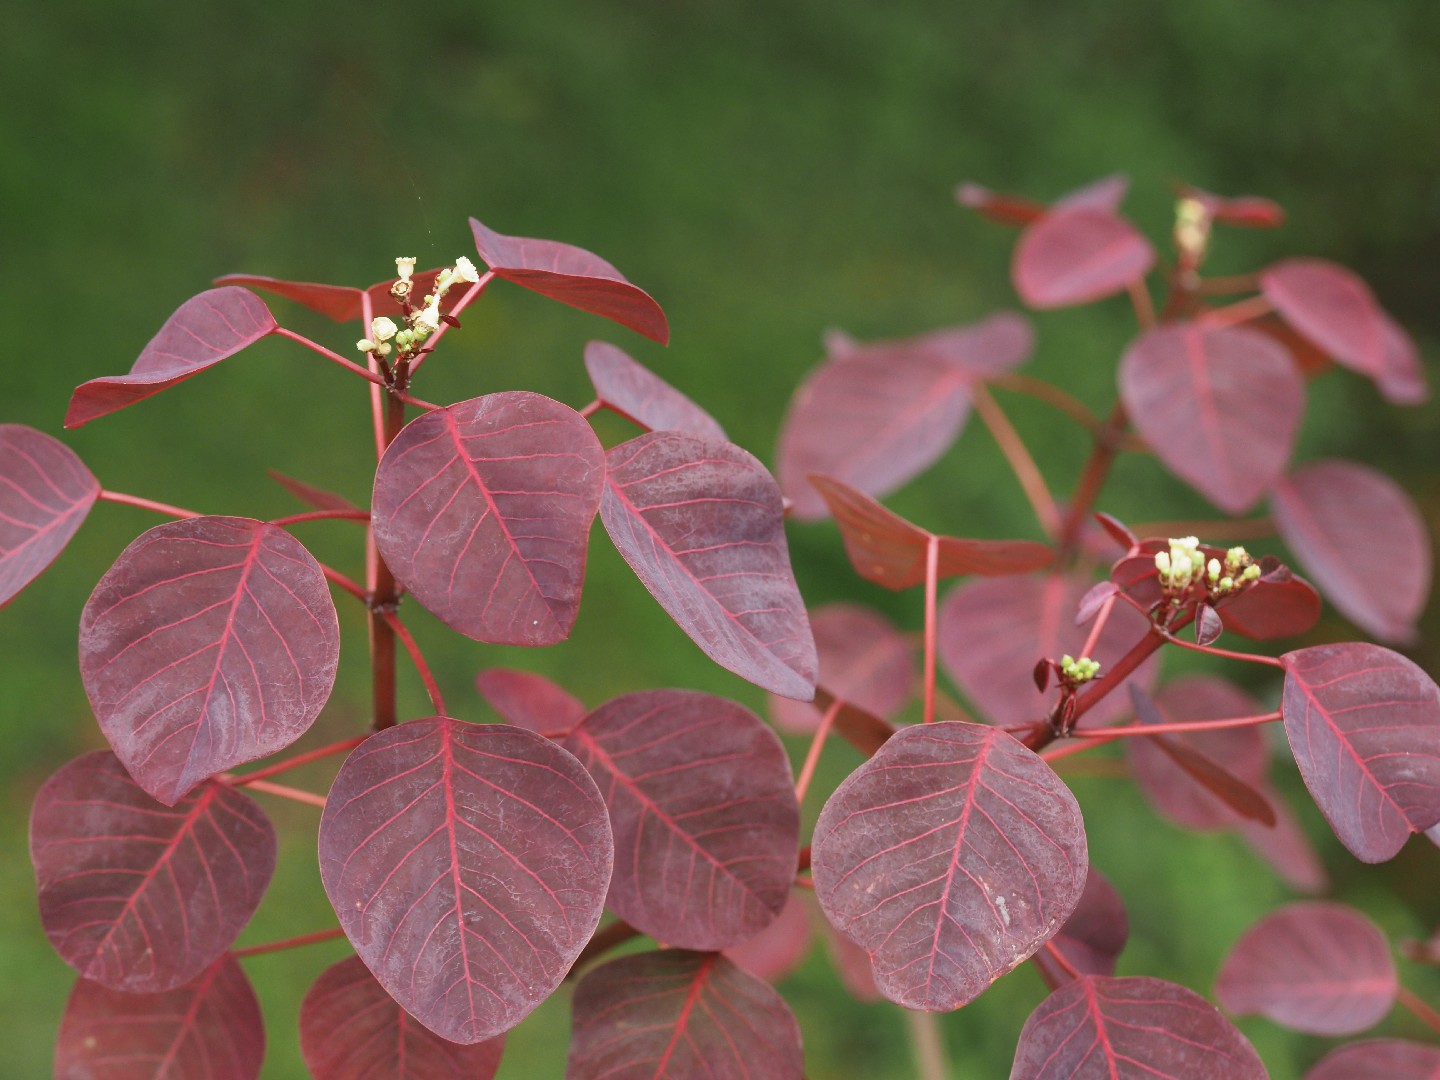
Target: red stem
(431, 687)
(289, 943)
(1092, 479)
(295, 762)
(471, 295)
(1239, 312)
(591, 409)
(1418, 1008)
(365, 373)
(1088, 649)
(1051, 395)
(148, 504)
(1142, 303)
(1128, 731)
(309, 798)
(932, 575)
(1059, 958)
(337, 578)
(812, 757)
(1016, 453)
(321, 515)
(1226, 654)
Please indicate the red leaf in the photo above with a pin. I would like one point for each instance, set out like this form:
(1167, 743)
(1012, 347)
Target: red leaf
(1331, 306)
(950, 857)
(468, 865)
(1313, 966)
(1362, 539)
(1077, 255)
(1107, 193)
(203, 331)
(310, 495)
(209, 1029)
(863, 659)
(133, 895)
(992, 346)
(343, 303)
(780, 948)
(702, 806)
(890, 551)
(211, 642)
(1379, 1059)
(351, 1029)
(1092, 938)
(1402, 380)
(674, 1015)
(529, 701)
(643, 397)
(1364, 725)
(1244, 211)
(1117, 531)
(483, 511)
(1278, 604)
(700, 522)
(1221, 408)
(573, 276)
(998, 206)
(45, 494)
(1131, 1029)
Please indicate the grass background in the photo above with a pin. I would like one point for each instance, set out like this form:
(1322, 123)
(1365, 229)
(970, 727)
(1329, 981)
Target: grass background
(767, 171)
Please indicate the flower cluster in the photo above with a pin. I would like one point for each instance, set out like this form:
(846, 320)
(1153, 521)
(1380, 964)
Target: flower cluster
(1078, 671)
(420, 322)
(1185, 564)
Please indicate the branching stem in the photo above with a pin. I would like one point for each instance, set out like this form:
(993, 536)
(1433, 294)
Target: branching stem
(812, 757)
(319, 753)
(148, 504)
(1018, 455)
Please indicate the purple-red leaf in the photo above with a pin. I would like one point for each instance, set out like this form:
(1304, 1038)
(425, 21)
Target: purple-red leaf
(777, 950)
(1107, 193)
(863, 659)
(1220, 407)
(1379, 1059)
(1076, 255)
(674, 1015)
(529, 701)
(1277, 604)
(351, 1029)
(890, 551)
(1099, 1028)
(45, 494)
(573, 276)
(343, 303)
(992, 346)
(1364, 725)
(702, 806)
(1092, 938)
(1363, 540)
(950, 857)
(1402, 380)
(1313, 966)
(639, 395)
(211, 642)
(203, 331)
(701, 523)
(483, 511)
(310, 495)
(136, 896)
(209, 1029)
(468, 865)
(1332, 307)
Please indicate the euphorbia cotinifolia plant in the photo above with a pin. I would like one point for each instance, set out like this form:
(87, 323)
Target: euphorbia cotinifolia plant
(470, 864)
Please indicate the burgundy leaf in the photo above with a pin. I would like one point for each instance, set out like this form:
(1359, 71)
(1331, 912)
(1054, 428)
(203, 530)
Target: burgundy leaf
(890, 551)
(483, 511)
(45, 494)
(643, 397)
(950, 857)
(468, 865)
(991, 632)
(992, 346)
(852, 964)
(863, 659)
(1379, 1059)
(1364, 541)
(701, 524)
(529, 701)
(1208, 625)
(863, 730)
(209, 1029)
(1077, 255)
(777, 950)
(1107, 193)
(674, 1015)
(203, 331)
(1117, 530)
(1313, 966)
(136, 896)
(1093, 600)
(310, 495)
(342, 303)
(1092, 938)
(573, 276)
(702, 806)
(1277, 604)
(1099, 1028)
(351, 1029)
(1245, 211)
(1332, 307)
(1364, 725)
(1402, 380)
(998, 206)
(1221, 408)
(211, 642)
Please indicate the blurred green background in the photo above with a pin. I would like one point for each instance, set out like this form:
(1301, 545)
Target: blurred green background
(767, 171)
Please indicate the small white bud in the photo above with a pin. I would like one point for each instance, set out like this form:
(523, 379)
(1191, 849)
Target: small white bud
(465, 270)
(382, 329)
(1251, 572)
(1162, 563)
(405, 266)
(365, 345)
(1212, 569)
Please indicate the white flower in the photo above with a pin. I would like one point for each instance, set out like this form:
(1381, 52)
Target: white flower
(382, 329)
(405, 266)
(465, 270)
(427, 319)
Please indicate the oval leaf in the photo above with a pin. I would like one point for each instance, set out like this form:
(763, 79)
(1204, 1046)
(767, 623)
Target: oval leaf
(529, 701)
(136, 896)
(1099, 1028)
(573, 276)
(203, 331)
(674, 1015)
(1363, 540)
(468, 865)
(483, 511)
(1379, 1059)
(1092, 938)
(343, 303)
(1364, 726)
(211, 642)
(703, 810)
(208, 1029)
(1313, 966)
(1077, 255)
(950, 857)
(1332, 307)
(701, 524)
(45, 494)
(639, 395)
(351, 1029)
(1221, 408)
(1277, 604)
(1402, 382)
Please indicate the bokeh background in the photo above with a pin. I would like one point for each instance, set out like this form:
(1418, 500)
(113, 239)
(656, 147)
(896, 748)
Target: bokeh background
(767, 170)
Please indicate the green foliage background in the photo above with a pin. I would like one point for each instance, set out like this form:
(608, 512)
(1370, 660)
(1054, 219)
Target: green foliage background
(766, 170)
